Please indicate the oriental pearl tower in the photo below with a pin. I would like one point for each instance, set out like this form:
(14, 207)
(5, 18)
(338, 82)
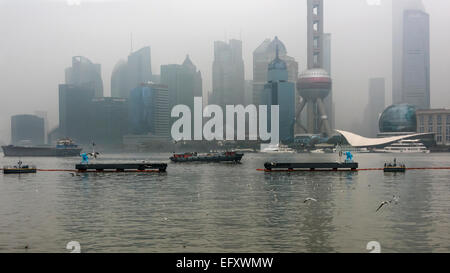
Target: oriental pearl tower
(314, 85)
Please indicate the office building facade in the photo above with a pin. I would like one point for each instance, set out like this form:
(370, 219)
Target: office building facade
(279, 91)
(410, 54)
(85, 73)
(228, 74)
(435, 121)
(27, 130)
(148, 111)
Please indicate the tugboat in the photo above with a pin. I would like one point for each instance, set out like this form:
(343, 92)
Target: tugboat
(19, 168)
(210, 157)
(394, 167)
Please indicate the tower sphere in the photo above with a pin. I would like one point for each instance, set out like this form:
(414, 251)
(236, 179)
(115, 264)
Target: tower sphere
(314, 83)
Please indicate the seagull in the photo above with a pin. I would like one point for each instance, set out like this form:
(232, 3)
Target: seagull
(382, 204)
(309, 199)
(94, 154)
(394, 199)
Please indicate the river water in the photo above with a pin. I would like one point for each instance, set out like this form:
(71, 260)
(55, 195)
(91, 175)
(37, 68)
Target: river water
(227, 207)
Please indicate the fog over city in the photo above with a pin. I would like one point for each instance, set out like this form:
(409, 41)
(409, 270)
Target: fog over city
(39, 38)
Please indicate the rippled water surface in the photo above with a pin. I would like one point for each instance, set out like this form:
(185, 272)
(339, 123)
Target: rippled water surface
(227, 207)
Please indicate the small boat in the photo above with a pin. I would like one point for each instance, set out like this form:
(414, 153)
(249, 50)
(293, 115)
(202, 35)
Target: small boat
(278, 149)
(394, 167)
(19, 168)
(209, 157)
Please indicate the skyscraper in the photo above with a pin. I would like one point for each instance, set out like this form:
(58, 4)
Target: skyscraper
(139, 67)
(84, 72)
(130, 74)
(279, 91)
(375, 106)
(184, 82)
(109, 120)
(262, 56)
(28, 129)
(228, 73)
(410, 54)
(75, 111)
(120, 87)
(148, 113)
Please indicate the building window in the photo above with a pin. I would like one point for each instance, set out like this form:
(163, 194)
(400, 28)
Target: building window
(316, 42)
(430, 119)
(439, 119)
(439, 139)
(430, 129)
(422, 130)
(439, 130)
(448, 119)
(316, 10)
(422, 120)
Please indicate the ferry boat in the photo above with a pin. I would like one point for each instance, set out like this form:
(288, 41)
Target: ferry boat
(19, 168)
(405, 146)
(278, 149)
(64, 147)
(209, 157)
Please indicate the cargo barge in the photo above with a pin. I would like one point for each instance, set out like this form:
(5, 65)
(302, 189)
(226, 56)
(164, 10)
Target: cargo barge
(64, 147)
(210, 157)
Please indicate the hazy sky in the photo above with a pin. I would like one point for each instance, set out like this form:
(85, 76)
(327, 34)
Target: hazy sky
(39, 37)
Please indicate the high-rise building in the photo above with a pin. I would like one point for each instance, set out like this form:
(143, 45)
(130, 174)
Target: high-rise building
(228, 73)
(75, 112)
(84, 72)
(129, 75)
(109, 120)
(375, 106)
(410, 54)
(279, 91)
(184, 83)
(139, 67)
(27, 129)
(120, 86)
(148, 113)
(262, 56)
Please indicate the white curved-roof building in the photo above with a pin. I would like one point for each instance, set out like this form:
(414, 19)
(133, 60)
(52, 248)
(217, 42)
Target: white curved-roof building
(360, 141)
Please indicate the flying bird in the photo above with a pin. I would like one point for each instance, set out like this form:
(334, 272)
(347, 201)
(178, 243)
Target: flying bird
(394, 199)
(309, 199)
(94, 154)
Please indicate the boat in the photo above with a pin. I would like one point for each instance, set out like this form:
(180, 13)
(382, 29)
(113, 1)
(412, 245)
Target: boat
(394, 167)
(64, 147)
(278, 149)
(19, 168)
(209, 157)
(405, 146)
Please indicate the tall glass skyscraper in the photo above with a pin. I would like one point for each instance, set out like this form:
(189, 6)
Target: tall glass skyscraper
(279, 91)
(129, 75)
(228, 74)
(148, 110)
(410, 54)
(84, 72)
(184, 82)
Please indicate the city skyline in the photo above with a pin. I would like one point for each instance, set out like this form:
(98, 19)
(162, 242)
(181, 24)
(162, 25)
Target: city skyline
(292, 38)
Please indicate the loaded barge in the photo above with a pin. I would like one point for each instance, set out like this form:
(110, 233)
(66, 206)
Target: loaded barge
(210, 157)
(330, 166)
(123, 167)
